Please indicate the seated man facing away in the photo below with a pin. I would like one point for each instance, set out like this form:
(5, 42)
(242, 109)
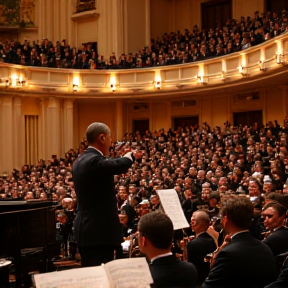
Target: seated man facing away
(202, 245)
(246, 261)
(155, 240)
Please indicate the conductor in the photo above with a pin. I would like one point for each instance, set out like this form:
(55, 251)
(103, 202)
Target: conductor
(97, 228)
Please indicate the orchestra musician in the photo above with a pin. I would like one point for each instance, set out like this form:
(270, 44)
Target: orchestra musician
(202, 245)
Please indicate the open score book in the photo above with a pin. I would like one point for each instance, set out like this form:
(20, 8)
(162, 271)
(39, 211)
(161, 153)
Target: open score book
(121, 273)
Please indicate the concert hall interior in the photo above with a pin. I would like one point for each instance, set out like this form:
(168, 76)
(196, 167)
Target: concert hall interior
(198, 88)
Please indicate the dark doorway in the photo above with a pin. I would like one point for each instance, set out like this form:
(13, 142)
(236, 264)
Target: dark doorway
(183, 122)
(215, 13)
(141, 125)
(276, 5)
(248, 118)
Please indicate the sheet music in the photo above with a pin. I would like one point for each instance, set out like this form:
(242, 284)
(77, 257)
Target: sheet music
(129, 273)
(90, 277)
(171, 205)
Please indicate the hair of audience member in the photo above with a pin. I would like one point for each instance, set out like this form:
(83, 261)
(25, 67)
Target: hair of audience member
(281, 210)
(158, 228)
(94, 130)
(239, 210)
(274, 196)
(214, 195)
(202, 216)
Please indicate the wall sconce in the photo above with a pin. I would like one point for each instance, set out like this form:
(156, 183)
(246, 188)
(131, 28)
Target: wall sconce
(21, 82)
(158, 84)
(113, 87)
(240, 69)
(261, 65)
(6, 83)
(279, 58)
(14, 80)
(200, 79)
(75, 87)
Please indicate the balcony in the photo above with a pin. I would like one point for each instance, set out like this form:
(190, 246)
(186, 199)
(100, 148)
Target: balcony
(259, 66)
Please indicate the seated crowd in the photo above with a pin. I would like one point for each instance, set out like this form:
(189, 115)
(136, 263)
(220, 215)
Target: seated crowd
(173, 48)
(202, 164)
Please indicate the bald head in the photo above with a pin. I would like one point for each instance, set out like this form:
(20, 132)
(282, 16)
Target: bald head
(202, 216)
(94, 130)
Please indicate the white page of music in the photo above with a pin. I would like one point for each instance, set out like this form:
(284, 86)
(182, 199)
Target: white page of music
(172, 207)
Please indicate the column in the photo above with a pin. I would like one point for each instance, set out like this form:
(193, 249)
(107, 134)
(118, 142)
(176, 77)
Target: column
(68, 124)
(6, 134)
(18, 134)
(147, 22)
(284, 89)
(43, 130)
(119, 120)
(53, 141)
(56, 20)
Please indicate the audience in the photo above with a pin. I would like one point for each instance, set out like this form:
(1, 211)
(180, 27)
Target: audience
(173, 48)
(203, 164)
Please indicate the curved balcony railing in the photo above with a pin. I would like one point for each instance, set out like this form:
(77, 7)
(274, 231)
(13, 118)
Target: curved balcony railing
(245, 65)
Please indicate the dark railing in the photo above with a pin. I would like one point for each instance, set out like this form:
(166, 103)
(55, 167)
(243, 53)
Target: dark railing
(85, 5)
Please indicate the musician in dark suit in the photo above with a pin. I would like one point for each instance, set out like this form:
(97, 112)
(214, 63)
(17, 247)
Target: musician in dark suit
(274, 215)
(155, 240)
(246, 261)
(282, 281)
(97, 227)
(202, 245)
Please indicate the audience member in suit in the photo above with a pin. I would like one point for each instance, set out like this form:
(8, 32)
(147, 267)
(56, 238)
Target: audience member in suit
(202, 245)
(93, 174)
(274, 215)
(246, 261)
(155, 240)
(282, 281)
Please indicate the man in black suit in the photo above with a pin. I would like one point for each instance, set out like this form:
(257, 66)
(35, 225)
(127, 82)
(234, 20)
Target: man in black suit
(245, 262)
(97, 227)
(155, 240)
(282, 281)
(202, 245)
(274, 215)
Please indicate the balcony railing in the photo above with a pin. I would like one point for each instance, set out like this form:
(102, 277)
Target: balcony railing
(261, 61)
(85, 5)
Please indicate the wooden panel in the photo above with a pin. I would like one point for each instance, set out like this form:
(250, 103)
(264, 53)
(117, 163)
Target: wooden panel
(232, 63)
(126, 78)
(59, 78)
(145, 77)
(38, 76)
(94, 79)
(4, 72)
(214, 68)
(270, 51)
(172, 74)
(254, 57)
(190, 72)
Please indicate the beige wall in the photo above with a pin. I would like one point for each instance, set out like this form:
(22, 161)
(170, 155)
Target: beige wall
(136, 23)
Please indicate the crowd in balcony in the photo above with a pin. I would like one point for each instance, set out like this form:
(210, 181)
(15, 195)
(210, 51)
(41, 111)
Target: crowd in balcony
(172, 48)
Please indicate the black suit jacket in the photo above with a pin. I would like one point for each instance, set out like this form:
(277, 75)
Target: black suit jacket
(245, 262)
(169, 272)
(197, 249)
(96, 222)
(278, 241)
(282, 281)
